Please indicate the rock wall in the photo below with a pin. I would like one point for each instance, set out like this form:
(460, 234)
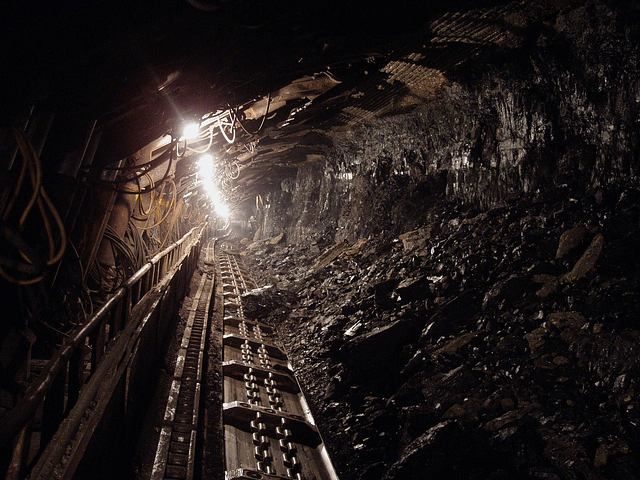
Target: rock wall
(502, 345)
(485, 324)
(562, 110)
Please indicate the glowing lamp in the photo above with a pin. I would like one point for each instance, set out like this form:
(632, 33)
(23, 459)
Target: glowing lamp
(191, 130)
(222, 210)
(205, 166)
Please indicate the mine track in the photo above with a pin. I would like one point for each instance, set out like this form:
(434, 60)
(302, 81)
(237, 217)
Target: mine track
(176, 452)
(269, 432)
(268, 428)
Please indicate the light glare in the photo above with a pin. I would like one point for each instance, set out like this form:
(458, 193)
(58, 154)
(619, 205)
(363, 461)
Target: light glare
(191, 130)
(209, 187)
(218, 205)
(222, 210)
(205, 166)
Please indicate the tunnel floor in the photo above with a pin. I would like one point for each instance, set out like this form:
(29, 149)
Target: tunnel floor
(149, 436)
(479, 344)
(483, 344)
(241, 394)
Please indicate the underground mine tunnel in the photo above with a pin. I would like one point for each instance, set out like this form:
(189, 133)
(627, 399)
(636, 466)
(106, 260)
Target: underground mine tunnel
(317, 240)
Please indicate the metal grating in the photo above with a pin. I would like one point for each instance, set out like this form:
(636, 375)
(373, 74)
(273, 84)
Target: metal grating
(416, 76)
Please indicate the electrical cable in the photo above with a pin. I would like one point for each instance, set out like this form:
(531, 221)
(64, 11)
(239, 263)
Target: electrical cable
(35, 265)
(187, 208)
(263, 118)
(144, 170)
(21, 175)
(194, 150)
(170, 228)
(152, 205)
(60, 225)
(54, 329)
(35, 173)
(83, 285)
(173, 202)
(233, 176)
(139, 247)
(147, 166)
(40, 198)
(233, 130)
(47, 229)
(141, 191)
(136, 166)
(119, 246)
(204, 6)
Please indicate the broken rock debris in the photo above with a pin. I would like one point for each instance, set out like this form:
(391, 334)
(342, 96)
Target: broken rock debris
(440, 352)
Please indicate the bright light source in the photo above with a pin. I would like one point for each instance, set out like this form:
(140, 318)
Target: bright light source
(191, 130)
(205, 173)
(209, 187)
(205, 166)
(218, 205)
(222, 210)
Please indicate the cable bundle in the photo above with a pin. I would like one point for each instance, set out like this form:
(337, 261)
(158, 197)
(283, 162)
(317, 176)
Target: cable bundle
(25, 264)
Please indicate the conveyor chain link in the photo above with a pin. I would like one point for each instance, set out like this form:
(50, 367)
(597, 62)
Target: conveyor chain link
(264, 409)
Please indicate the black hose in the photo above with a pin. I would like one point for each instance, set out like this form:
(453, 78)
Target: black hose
(204, 6)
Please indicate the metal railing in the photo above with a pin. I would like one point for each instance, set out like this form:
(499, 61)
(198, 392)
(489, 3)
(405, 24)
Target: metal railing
(58, 388)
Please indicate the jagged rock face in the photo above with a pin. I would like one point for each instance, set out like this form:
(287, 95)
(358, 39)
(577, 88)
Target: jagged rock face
(485, 323)
(502, 344)
(564, 109)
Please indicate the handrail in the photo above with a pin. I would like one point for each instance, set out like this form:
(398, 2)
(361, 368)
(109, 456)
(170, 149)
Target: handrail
(24, 411)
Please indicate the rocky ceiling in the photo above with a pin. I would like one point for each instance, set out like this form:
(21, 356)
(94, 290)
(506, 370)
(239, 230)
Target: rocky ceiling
(279, 78)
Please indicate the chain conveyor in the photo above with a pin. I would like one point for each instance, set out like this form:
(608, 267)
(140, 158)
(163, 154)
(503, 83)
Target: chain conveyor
(268, 427)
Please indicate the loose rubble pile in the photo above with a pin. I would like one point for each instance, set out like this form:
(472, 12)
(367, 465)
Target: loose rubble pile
(499, 344)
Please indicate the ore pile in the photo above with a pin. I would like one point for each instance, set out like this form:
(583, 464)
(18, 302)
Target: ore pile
(499, 344)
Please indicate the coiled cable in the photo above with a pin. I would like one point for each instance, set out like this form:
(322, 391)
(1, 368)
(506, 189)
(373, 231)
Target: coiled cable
(39, 198)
